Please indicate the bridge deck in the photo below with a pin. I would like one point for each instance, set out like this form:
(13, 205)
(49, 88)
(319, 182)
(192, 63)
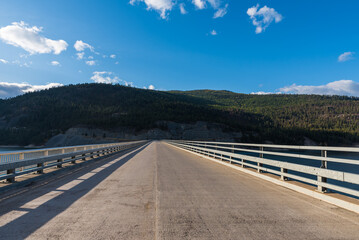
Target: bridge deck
(160, 192)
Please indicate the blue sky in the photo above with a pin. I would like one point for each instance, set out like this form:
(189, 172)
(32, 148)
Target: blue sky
(242, 46)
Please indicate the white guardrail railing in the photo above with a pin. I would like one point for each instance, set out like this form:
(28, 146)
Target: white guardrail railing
(308, 164)
(18, 163)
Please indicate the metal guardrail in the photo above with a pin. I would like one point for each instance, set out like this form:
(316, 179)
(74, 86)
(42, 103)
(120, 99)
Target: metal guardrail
(18, 163)
(15, 156)
(306, 166)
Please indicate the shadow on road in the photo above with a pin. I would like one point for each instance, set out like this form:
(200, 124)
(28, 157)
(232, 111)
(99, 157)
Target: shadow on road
(33, 218)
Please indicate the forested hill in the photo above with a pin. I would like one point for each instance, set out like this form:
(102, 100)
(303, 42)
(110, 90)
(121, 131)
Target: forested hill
(35, 117)
(323, 118)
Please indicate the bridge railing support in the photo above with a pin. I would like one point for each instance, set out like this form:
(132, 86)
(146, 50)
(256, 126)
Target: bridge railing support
(272, 160)
(38, 160)
(283, 174)
(324, 165)
(10, 172)
(261, 149)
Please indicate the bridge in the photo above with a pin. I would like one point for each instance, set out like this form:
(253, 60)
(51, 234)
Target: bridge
(180, 190)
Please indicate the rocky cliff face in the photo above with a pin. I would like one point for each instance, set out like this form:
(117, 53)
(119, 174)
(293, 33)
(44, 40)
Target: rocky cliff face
(163, 130)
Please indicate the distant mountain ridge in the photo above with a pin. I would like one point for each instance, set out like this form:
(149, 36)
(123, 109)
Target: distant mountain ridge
(34, 118)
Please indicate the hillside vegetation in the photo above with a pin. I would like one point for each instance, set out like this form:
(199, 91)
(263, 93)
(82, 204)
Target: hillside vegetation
(326, 119)
(35, 117)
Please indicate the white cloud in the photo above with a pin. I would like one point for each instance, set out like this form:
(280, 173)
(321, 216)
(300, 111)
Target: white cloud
(91, 63)
(3, 61)
(161, 6)
(80, 55)
(221, 12)
(104, 77)
(112, 56)
(263, 93)
(346, 56)
(127, 84)
(150, 87)
(213, 32)
(214, 3)
(80, 46)
(165, 6)
(55, 63)
(263, 17)
(182, 8)
(200, 4)
(34, 88)
(341, 87)
(8, 90)
(109, 78)
(20, 34)
(21, 63)
(90, 57)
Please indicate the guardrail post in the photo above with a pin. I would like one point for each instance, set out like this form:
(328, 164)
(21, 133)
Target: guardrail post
(83, 157)
(324, 164)
(260, 164)
(40, 171)
(60, 160)
(10, 179)
(282, 177)
(39, 165)
(205, 146)
(21, 157)
(215, 154)
(74, 161)
(230, 157)
(60, 163)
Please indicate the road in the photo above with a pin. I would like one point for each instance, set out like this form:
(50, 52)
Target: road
(161, 192)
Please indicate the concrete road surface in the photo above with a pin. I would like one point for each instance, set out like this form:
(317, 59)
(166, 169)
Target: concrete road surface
(161, 192)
